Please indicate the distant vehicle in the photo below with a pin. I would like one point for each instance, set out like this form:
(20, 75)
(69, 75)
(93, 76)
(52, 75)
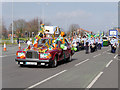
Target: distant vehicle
(50, 57)
(105, 41)
(113, 33)
(21, 41)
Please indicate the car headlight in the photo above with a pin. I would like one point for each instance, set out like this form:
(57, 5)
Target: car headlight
(20, 54)
(45, 55)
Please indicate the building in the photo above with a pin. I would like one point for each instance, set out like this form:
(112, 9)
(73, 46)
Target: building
(83, 31)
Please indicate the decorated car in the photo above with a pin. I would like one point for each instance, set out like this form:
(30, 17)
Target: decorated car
(45, 50)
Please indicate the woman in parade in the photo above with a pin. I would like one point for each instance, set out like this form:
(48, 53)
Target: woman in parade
(92, 46)
(99, 43)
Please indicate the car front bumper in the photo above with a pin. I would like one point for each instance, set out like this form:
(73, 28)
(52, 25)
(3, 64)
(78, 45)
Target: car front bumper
(31, 60)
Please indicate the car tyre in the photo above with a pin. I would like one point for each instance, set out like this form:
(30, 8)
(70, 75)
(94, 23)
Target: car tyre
(69, 59)
(54, 63)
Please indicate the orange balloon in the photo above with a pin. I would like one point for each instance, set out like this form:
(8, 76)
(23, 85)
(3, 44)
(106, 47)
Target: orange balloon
(62, 34)
(49, 55)
(63, 41)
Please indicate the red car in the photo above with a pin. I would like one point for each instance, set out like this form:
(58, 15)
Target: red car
(50, 57)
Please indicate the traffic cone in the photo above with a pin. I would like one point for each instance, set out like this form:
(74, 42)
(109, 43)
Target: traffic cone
(4, 46)
(19, 46)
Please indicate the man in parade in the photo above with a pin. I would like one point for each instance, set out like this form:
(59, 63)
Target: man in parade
(87, 42)
(114, 43)
(92, 44)
(96, 43)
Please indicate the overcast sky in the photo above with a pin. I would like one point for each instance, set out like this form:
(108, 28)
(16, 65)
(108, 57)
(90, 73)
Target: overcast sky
(92, 16)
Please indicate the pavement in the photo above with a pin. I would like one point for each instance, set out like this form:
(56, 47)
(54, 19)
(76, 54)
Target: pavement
(94, 70)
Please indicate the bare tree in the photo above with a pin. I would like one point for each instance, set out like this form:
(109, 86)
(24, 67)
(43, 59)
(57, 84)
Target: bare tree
(19, 27)
(73, 28)
(32, 26)
(4, 31)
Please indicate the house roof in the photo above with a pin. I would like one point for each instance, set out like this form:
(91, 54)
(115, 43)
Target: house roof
(84, 30)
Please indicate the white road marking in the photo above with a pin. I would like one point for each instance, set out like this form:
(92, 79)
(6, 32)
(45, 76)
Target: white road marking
(109, 63)
(45, 80)
(95, 79)
(7, 55)
(82, 62)
(115, 56)
(96, 55)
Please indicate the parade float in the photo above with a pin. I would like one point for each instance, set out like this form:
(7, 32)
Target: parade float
(47, 48)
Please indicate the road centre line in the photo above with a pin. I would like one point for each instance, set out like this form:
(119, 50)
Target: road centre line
(7, 55)
(82, 62)
(109, 63)
(115, 56)
(96, 55)
(45, 80)
(94, 80)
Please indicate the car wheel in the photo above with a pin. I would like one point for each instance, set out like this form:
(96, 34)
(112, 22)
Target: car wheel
(69, 59)
(53, 63)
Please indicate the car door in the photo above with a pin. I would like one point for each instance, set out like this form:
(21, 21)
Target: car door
(61, 55)
(68, 48)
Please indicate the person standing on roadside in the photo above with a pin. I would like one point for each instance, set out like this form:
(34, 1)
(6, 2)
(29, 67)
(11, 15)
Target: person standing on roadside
(18, 40)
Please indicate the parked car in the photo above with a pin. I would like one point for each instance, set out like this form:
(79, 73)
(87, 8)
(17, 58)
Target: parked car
(37, 56)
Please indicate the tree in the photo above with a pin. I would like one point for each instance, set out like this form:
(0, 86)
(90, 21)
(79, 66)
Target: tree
(19, 27)
(4, 31)
(73, 28)
(33, 26)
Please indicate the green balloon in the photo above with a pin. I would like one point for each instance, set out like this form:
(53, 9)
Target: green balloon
(75, 49)
(72, 48)
(62, 46)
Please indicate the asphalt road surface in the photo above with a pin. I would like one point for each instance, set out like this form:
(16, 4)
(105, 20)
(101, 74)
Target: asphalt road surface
(94, 70)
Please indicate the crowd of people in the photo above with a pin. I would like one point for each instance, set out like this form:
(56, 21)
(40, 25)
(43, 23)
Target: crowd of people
(92, 44)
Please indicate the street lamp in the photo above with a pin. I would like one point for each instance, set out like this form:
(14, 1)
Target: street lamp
(12, 21)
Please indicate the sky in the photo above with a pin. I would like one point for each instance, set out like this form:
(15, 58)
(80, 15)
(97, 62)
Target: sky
(92, 16)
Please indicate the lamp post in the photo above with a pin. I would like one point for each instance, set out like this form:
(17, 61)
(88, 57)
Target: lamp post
(12, 21)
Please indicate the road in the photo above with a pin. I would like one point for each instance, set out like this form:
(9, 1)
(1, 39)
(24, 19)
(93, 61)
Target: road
(94, 70)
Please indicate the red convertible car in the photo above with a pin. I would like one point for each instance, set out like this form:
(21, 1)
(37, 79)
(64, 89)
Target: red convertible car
(37, 55)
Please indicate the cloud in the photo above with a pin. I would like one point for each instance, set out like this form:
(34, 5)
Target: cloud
(73, 14)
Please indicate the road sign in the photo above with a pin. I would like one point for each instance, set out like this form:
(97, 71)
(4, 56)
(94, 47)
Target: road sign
(113, 32)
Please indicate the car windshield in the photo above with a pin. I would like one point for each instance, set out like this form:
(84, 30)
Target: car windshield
(44, 41)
